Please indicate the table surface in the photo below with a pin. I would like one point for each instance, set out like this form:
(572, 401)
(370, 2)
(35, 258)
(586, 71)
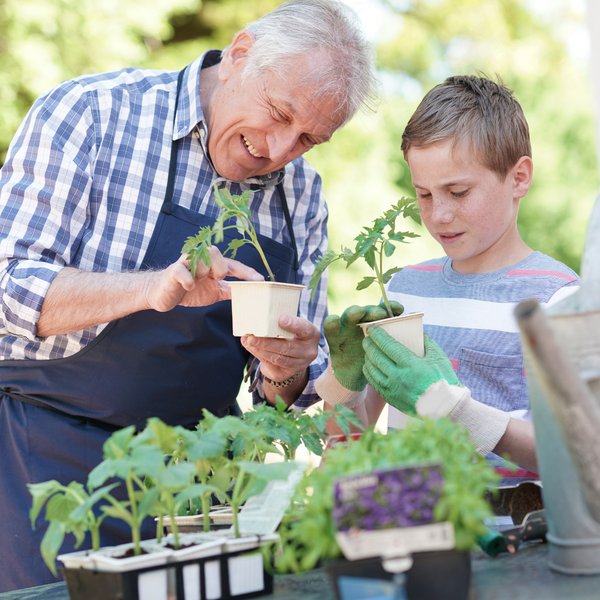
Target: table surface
(524, 575)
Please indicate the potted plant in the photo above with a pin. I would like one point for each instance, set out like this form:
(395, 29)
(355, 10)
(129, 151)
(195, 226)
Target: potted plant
(163, 471)
(373, 245)
(274, 298)
(308, 533)
(153, 470)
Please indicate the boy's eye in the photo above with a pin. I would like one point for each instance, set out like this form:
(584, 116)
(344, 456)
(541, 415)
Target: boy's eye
(424, 195)
(459, 194)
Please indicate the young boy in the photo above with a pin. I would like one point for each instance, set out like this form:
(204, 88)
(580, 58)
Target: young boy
(468, 149)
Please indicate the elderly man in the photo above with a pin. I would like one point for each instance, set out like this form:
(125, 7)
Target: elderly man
(102, 325)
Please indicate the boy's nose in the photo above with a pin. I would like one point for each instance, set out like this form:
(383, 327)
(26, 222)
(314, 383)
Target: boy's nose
(441, 212)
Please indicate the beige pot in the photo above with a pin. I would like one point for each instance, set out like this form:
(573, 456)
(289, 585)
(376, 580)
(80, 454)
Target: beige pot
(406, 329)
(257, 305)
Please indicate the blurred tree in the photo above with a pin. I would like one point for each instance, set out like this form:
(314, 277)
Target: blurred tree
(419, 42)
(43, 43)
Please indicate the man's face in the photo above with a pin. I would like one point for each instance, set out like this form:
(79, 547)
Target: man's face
(258, 125)
(469, 209)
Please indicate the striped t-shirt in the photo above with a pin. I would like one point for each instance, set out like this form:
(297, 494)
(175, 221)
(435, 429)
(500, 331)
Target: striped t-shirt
(472, 318)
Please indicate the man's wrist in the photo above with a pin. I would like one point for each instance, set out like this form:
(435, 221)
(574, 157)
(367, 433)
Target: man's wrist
(284, 382)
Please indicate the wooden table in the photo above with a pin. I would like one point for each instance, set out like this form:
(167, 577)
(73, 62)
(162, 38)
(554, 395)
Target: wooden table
(521, 576)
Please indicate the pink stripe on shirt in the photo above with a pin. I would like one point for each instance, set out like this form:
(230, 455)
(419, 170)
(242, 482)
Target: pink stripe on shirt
(424, 267)
(527, 273)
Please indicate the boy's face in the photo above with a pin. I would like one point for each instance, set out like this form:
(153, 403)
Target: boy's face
(468, 208)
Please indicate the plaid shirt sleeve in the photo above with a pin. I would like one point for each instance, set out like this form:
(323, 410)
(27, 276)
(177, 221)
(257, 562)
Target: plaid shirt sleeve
(44, 185)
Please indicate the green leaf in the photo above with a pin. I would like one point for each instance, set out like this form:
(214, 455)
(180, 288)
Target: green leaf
(388, 274)
(197, 490)
(365, 282)
(319, 268)
(117, 445)
(41, 492)
(51, 544)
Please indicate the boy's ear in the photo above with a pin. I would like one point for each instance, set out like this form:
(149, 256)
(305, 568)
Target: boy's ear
(234, 58)
(522, 174)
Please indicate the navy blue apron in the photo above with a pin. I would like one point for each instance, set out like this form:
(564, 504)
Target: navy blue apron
(56, 414)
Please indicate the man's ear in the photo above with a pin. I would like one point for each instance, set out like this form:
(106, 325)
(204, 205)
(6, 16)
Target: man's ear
(235, 55)
(522, 174)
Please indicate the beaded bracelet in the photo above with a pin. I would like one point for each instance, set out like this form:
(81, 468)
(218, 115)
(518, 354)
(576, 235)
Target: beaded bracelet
(285, 382)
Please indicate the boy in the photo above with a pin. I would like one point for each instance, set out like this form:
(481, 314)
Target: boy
(468, 149)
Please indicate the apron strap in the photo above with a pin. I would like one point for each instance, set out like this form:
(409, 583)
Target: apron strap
(288, 222)
(173, 159)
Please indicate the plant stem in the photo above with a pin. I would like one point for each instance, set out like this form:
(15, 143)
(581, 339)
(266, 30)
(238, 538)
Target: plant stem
(135, 528)
(205, 512)
(254, 241)
(235, 505)
(378, 271)
(95, 534)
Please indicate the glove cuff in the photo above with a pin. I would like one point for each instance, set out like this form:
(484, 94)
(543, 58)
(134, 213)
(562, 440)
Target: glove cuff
(439, 399)
(486, 424)
(333, 392)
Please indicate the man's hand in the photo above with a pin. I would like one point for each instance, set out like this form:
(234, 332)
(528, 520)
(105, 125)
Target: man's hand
(345, 338)
(281, 358)
(401, 377)
(175, 285)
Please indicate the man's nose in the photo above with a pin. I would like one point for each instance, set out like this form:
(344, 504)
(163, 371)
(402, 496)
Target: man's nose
(281, 144)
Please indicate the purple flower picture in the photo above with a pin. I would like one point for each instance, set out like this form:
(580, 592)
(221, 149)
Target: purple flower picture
(399, 497)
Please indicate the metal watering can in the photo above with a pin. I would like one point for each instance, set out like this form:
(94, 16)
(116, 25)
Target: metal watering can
(562, 357)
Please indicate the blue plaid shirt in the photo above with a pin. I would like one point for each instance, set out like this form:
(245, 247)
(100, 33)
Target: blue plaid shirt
(83, 184)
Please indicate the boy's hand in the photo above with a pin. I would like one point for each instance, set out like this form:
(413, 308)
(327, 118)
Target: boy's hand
(401, 377)
(429, 387)
(345, 338)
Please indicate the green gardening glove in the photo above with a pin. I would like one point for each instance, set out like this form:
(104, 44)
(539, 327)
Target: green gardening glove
(345, 338)
(401, 377)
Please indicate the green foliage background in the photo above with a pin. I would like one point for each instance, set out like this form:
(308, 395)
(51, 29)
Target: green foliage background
(419, 42)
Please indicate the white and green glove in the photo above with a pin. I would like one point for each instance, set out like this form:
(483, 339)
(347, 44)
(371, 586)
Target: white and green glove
(428, 387)
(345, 338)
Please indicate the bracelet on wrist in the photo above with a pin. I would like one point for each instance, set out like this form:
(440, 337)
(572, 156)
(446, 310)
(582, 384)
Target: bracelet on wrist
(285, 382)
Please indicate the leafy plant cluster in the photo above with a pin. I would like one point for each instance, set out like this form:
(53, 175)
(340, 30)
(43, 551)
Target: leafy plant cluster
(307, 532)
(166, 470)
(373, 244)
(234, 214)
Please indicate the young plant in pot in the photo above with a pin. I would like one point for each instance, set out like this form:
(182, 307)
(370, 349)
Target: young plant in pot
(373, 245)
(149, 467)
(427, 455)
(247, 297)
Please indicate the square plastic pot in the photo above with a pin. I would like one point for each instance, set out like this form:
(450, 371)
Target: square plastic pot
(257, 305)
(225, 576)
(406, 329)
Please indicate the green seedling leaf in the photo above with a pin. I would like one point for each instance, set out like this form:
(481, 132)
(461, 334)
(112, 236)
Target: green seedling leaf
(372, 245)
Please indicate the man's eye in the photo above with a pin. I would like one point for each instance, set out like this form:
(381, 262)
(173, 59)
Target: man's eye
(279, 116)
(308, 141)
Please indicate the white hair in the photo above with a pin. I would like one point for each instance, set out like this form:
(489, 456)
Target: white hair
(330, 27)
